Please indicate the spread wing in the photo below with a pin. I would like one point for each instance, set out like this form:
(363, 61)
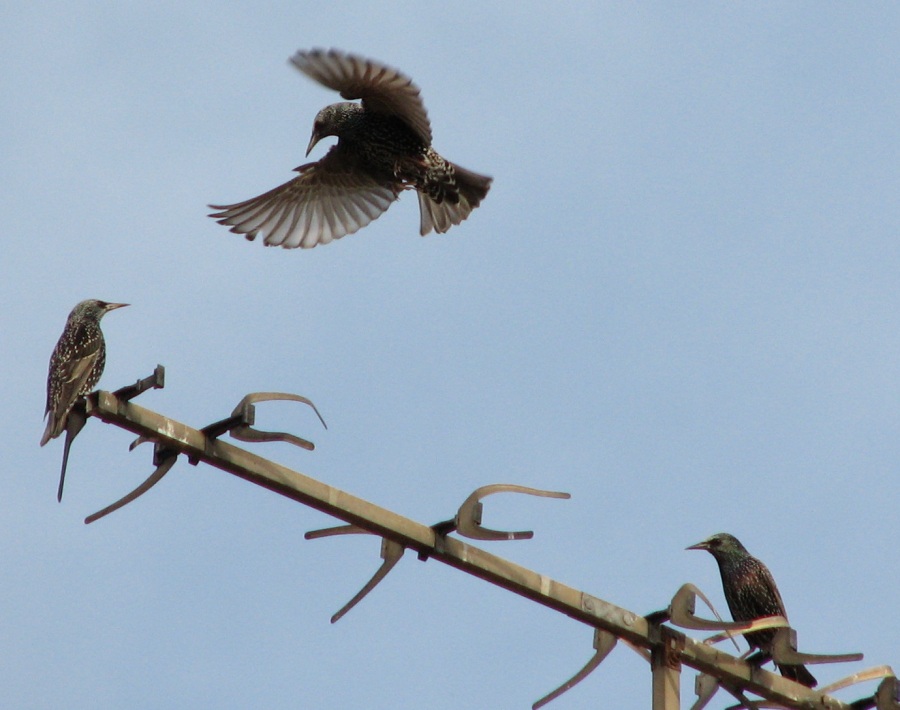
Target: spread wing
(327, 200)
(382, 89)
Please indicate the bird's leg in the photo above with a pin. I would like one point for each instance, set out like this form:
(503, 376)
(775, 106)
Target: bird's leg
(760, 658)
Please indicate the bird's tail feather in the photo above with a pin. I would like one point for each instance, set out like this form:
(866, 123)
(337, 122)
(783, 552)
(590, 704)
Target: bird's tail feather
(799, 674)
(440, 216)
(50, 431)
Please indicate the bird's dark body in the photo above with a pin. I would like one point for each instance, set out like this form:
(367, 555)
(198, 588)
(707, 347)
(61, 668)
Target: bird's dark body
(85, 340)
(76, 365)
(751, 594)
(391, 152)
(81, 345)
(384, 142)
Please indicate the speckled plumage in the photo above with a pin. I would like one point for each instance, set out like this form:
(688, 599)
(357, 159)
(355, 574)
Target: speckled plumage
(383, 148)
(76, 364)
(751, 594)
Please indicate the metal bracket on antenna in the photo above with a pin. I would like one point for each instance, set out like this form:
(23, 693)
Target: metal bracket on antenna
(246, 409)
(681, 613)
(163, 458)
(391, 552)
(604, 642)
(887, 697)
(784, 651)
(884, 672)
(240, 424)
(705, 687)
(155, 381)
(468, 519)
(77, 417)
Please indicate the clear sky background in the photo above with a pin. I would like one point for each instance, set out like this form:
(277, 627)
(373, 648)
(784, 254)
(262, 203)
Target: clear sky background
(679, 302)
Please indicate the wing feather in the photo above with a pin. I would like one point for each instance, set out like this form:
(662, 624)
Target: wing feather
(381, 88)
(326, 201)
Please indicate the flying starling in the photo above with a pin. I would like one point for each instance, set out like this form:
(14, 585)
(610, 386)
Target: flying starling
(751, 594)
(384, 147)
(75, 368)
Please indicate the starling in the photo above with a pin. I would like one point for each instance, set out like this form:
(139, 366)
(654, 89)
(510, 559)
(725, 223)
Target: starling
(75, 368)
(384, 147)
(751, 594)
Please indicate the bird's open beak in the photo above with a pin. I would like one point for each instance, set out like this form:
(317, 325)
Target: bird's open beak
(312, 141)
(114, 306)
(699, 546)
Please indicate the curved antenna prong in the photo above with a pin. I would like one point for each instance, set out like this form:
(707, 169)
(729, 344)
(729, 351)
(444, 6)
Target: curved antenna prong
(860, 677)
(164, 460)
(246, 409)
(155, 381)
(681, 613)
(604, 642)
(705, 687)
(391, 552)
(337, 530)
(887, 697)
(784, 651)
(468, 519)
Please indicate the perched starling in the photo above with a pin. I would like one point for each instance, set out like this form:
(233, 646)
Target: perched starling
(75, 368)
(751, 594)
(384, 147)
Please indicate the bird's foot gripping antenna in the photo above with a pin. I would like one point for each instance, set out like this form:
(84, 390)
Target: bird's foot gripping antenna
(78, 416)
(467, 523)
(239, 425)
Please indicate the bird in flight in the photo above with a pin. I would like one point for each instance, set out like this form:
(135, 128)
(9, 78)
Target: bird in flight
(76, 365)
(751, 594)
(383, 148)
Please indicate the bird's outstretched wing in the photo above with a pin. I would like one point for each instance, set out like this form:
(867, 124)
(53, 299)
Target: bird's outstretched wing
(328, 200)
(74, 377)
(382, 89)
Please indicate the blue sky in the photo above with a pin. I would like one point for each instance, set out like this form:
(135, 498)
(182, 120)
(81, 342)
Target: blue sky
(679, 302)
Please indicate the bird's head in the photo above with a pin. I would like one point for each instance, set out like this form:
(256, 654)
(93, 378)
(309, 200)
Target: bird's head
(93, 308)
(331, 120)
(720, 545)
